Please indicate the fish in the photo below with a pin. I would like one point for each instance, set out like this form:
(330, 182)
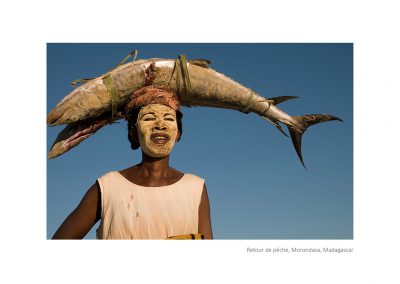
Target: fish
(74, 133)
(100, 101)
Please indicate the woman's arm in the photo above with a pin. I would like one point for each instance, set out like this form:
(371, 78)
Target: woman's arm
(204, 215)
(83, 218)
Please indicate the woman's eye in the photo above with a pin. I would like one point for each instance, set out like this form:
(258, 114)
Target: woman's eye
(169, 118)
(148, 118)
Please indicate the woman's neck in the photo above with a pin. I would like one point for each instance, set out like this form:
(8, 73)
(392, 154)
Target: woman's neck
(154, 167)
(152, 172)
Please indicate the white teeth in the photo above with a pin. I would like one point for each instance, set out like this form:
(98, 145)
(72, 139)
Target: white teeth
(160, 138)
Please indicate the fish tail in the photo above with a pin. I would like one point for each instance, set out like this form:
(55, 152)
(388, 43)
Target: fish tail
(302, 122)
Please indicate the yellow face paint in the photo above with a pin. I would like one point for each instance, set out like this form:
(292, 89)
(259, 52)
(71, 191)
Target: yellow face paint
(157, 130)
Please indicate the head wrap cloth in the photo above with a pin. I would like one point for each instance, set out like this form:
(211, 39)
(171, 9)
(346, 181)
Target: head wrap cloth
(153, 95)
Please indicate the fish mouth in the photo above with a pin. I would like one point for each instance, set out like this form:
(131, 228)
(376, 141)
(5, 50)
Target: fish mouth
(160, 138)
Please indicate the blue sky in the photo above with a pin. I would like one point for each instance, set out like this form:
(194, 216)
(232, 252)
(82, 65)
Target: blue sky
(257, 187)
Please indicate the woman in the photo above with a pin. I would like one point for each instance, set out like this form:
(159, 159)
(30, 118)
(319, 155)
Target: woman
(150, 200)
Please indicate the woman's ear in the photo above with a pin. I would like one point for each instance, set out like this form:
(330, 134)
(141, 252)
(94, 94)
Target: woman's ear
(133, 135)
(178, 137)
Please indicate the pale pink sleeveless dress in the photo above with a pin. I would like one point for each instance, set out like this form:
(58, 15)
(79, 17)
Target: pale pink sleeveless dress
(131, 211)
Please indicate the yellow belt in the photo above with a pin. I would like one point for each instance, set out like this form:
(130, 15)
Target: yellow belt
(187, 237)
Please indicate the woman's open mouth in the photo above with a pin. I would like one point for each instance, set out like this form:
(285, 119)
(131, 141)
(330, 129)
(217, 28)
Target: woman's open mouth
(159, 138)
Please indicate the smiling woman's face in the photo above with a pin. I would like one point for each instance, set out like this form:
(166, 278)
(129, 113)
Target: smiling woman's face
(157, 130)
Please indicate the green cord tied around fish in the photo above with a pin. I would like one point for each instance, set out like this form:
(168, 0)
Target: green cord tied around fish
(101, 100)
(109, 83)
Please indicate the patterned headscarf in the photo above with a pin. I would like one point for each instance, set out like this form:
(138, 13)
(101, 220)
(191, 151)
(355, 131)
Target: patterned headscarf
(153, 95)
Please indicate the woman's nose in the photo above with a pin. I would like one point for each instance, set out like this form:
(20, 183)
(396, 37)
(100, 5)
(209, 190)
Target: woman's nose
(160, 125)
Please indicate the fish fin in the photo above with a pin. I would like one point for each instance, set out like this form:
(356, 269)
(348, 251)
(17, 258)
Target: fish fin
(303, 122)
(200, 62)
(277, 125)
(278, 100)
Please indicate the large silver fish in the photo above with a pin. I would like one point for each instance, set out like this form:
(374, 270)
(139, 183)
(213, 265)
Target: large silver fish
(100, 101)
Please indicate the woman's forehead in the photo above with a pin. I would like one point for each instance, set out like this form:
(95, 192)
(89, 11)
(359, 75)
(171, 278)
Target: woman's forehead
(156, 109)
